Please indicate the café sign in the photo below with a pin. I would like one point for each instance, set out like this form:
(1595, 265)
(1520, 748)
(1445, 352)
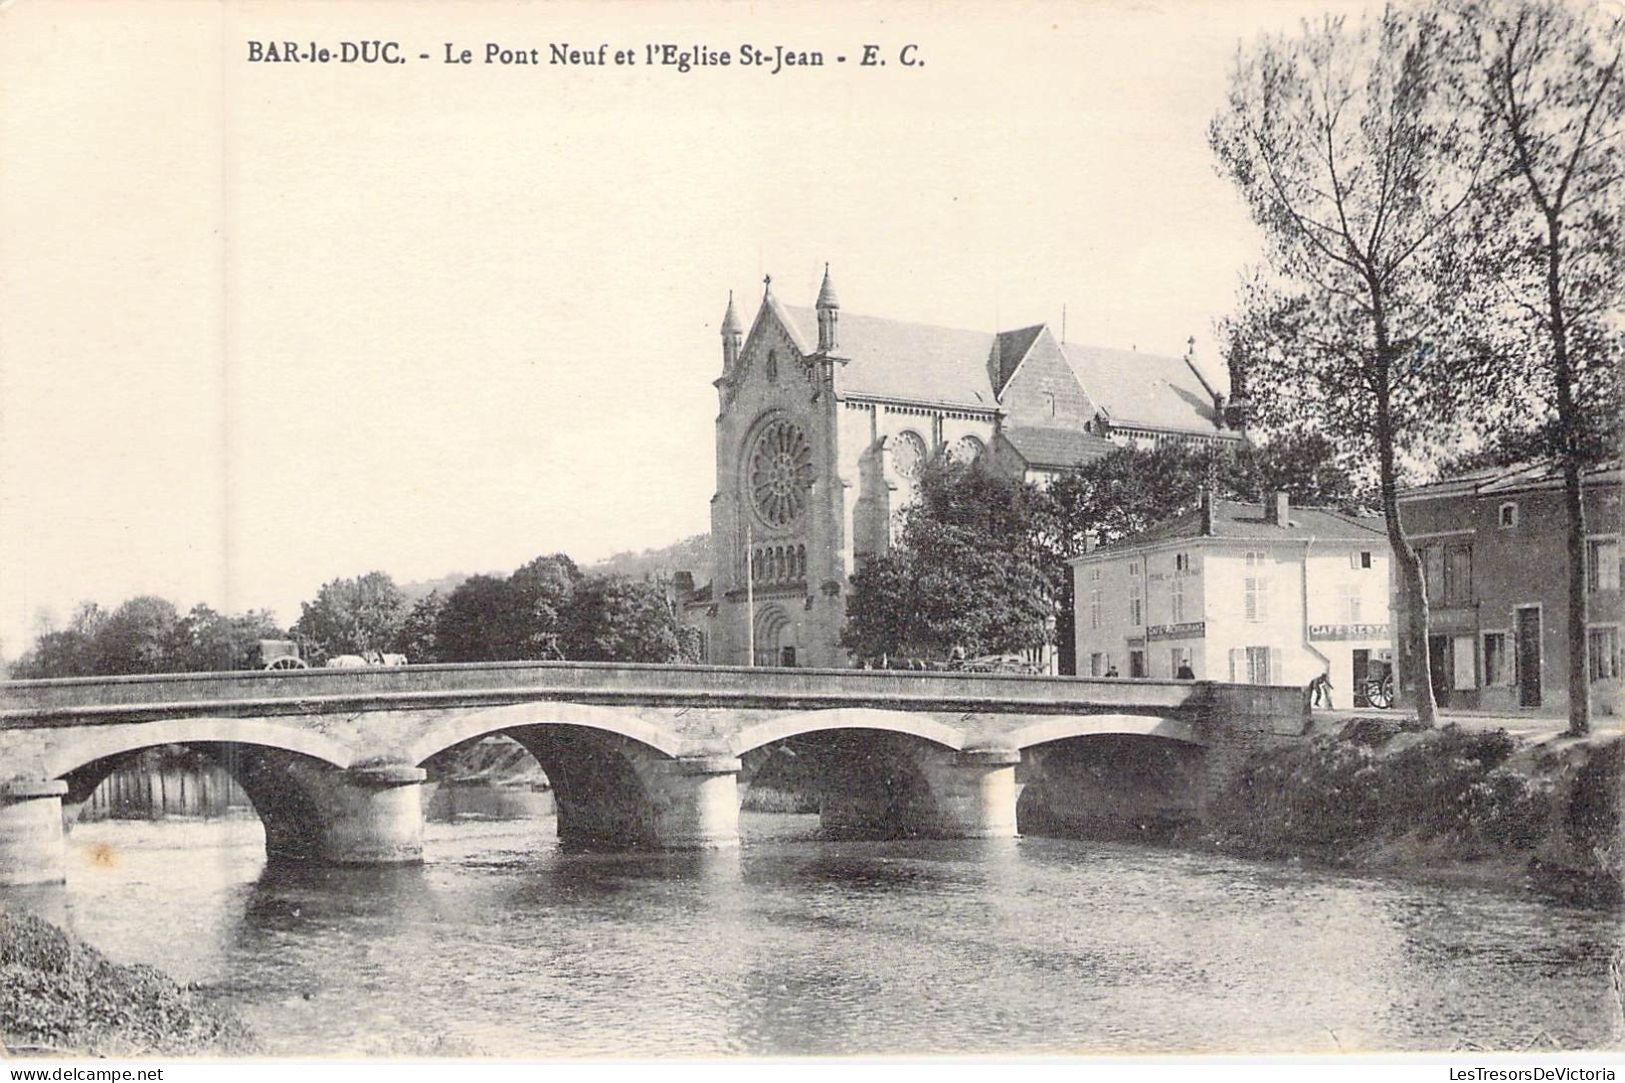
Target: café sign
(1191, 629)
(1348, 631)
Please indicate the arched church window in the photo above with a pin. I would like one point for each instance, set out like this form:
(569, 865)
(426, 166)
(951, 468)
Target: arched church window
(801, 562)
(967, 449)
(779, 473)
(908, 453)
(772, 365)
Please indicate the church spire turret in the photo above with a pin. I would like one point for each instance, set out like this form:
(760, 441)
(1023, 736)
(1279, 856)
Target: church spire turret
(829, 310)
(732, 334)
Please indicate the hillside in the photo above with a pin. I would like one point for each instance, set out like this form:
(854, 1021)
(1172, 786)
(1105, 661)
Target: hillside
(692, 554)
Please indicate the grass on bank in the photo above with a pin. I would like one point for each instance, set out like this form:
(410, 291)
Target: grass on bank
(1380, 794)
(60, 996)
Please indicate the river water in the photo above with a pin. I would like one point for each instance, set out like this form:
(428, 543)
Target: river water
(502, 944)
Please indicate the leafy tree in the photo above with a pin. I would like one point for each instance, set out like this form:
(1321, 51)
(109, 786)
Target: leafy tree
(484, 620)
(206, 641)
(64, 653)
(968, 572)
(1348, 150)
(545, 589)
(418, 636)
(139, 637)
(615, 619)
(1546, 79)
(353, 615)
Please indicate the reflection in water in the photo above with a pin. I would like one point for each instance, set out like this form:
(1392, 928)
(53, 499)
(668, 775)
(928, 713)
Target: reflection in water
(502, 943)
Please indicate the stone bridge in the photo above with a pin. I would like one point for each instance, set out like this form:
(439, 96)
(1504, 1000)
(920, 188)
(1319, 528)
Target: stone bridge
(336, 761)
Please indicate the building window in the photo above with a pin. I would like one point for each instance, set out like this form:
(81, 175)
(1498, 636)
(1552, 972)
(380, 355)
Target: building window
(1254, 665)
(772, 365)
(1507, 515)
(1362, 559)
(1182, 563)
(1433, 572)
(1496, 671)
(1094, 607)
(1458, 575)
(1602, 564)
(1603, 644)
(1255, 587)
(1177, 657)
(1136, 663)
(1097, 664)
(1176, 599)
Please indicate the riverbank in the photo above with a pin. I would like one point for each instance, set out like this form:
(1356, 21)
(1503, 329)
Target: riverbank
(1447, 804)
(59, 996)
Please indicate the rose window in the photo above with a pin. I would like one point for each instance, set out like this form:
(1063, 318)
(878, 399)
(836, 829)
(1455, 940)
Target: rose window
(780, 471)
(908, 452)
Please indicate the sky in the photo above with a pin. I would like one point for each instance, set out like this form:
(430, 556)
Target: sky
(268, 324)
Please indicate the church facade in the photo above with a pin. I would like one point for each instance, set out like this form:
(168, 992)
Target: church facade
(825, 419)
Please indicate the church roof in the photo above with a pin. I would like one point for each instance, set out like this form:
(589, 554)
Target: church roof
(916, 362)
(912, 361)
(1060, 448)
(1013, 346)
(1146, 389)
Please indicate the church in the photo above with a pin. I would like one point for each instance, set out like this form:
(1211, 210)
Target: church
(825, 418)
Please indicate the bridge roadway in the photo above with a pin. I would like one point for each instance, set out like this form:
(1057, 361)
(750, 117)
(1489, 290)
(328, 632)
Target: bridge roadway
(638, 755)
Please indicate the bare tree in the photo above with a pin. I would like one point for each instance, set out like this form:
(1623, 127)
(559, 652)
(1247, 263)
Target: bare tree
(1345, 144)
(1547, 80)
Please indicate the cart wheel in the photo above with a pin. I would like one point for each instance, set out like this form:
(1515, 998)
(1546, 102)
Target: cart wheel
(287, 663)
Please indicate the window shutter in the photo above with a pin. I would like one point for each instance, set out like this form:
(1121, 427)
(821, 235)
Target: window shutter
(1238, 664)
(1276, 674)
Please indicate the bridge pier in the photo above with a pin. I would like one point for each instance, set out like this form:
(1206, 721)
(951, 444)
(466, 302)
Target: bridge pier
(696, 803)
(974, 794)
(31, 846)
(370, 815)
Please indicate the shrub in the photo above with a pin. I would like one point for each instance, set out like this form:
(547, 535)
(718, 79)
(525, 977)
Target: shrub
(1339, 792)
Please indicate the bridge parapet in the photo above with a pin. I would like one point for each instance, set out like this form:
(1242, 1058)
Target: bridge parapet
(304, 691)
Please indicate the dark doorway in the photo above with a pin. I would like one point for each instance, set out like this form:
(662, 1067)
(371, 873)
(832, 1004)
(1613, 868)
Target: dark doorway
(1439, 668)
(787, 657)
(1528, 648)
(1362, 664)
(1136, 663)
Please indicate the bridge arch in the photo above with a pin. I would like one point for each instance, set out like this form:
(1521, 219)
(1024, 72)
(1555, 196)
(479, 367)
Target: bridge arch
(466, 725)
(846, 718)
(612, 772)
(1062, 727)
(108, 742)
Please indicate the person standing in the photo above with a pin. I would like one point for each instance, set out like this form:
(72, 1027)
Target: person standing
(1321, 688)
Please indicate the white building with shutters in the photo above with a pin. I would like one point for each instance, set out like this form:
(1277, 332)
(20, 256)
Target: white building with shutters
(1242, 593)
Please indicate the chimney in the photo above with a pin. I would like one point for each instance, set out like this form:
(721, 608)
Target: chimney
(1277, 509)
(1207, 512)
(1091, 541)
